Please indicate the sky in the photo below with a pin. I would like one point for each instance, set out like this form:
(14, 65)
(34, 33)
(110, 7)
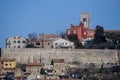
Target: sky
(21, 17)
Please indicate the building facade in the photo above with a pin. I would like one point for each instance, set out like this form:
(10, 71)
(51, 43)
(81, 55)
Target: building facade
(43, 40)
(34, 68)
(62, 43)
(9, 63)
(1, 64)
(16, 42)
(43, 43)
(59, 67)
(80, 31)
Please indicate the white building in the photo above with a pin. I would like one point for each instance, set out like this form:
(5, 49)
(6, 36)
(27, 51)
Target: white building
(62, 43)
(16, 42)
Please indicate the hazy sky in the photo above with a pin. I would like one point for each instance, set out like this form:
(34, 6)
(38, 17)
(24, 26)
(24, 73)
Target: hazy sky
(20, 17)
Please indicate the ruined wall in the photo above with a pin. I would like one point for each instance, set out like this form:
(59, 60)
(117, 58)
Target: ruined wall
(29, 55)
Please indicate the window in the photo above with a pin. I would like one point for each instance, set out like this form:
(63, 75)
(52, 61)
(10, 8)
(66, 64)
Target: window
(2, 62)
(18, 41)
(23, 41)
(18, 46)
(14, 46)
(14, 41)
(38, 70)
(84, 19)
(37, 43)
(18, 37)
(38, 67)
(48, 43)
(14, 37)
(66, 43)
(55, 71)
(55, 43)
(84, 33)
(68, 31)
(74, 31)
(6, 64)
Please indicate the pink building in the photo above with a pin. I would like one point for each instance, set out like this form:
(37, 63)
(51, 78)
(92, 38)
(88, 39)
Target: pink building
(80, 31)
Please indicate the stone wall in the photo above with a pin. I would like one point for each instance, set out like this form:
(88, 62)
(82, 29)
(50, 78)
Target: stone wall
(29, 55)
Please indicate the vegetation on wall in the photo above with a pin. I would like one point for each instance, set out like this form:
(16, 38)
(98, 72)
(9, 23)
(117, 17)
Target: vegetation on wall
(74, 38)
(42, 71)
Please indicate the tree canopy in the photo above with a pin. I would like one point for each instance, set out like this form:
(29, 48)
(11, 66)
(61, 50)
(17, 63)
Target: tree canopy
(74, 38)
(42, 71)
(99, 36)
(32, 36)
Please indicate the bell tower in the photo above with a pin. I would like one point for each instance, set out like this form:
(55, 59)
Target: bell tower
(85, 18)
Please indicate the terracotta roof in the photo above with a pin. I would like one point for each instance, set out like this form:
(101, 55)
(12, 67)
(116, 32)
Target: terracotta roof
(7, 59)
(46, 40)
(34, 64)
(58, 60)
(112, 30)
(47, 36)
(56, 79)
(75, 26)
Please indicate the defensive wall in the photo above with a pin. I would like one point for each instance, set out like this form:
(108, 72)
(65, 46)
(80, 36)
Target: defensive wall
(29, 55)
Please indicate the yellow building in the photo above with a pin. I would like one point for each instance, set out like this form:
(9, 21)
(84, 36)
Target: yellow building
(9, 63)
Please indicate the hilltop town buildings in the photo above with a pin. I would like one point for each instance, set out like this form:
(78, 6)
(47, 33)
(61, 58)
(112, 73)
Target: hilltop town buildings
(34, 68)
(62, 59)
(59, 66)
(82, 30)
(7, 64)
(62, 43)
(16, 42)
(45, 40)
(42, 41)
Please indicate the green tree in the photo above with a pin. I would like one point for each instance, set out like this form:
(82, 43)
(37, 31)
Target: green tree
(113, 39)
(42, 71)
(32, 36)
(62, 34)
(74, 38)
(99, 36)
(21, 66)
(31, 46)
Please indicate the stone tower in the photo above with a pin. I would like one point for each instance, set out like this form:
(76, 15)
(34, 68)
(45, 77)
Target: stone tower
(85, 18)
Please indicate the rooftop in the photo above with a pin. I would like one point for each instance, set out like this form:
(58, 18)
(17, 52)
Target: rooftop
(112, 30)
(34, 64)
(58, 60)
(7, 59)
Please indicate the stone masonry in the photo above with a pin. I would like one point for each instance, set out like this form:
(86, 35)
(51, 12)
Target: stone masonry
(29, 55)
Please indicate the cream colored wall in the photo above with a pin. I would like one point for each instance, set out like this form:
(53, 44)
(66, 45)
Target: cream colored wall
(70, 55)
